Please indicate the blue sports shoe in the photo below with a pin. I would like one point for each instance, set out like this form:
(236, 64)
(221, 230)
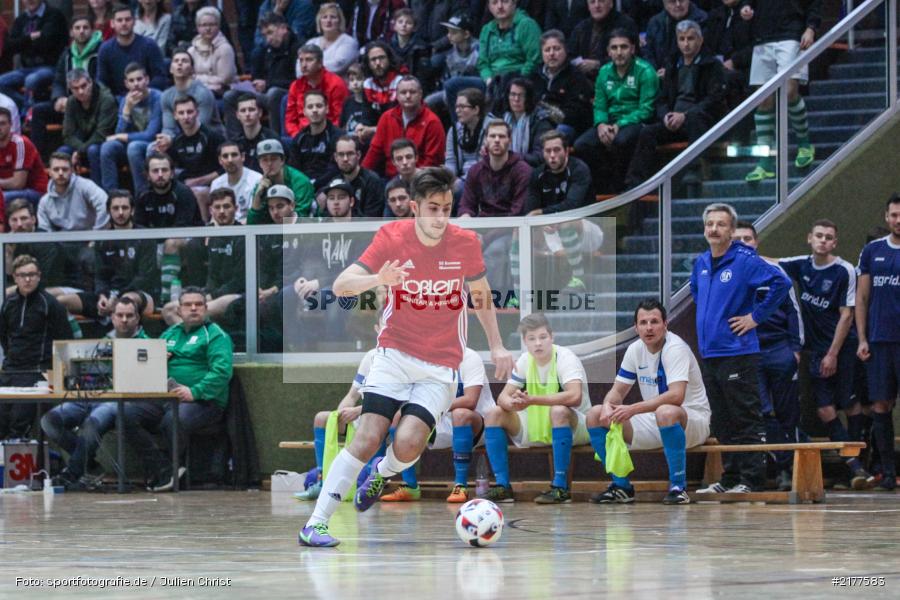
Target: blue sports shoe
(317, 536)
(370, 490)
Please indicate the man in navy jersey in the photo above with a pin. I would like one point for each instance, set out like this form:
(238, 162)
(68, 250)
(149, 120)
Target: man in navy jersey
(430, 268)
(780, 341)
(878, 328)
(827, 295)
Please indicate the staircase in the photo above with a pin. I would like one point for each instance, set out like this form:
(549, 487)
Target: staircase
(839, 106)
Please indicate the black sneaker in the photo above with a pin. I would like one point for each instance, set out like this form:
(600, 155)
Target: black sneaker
(613, 495)
(554, 495)
(677, 496)
(499, 494)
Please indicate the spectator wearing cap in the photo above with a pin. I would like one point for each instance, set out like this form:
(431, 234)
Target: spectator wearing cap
(309, 275)
(411, 120)
(368, 187)
(313, 76)
(238, 178)
(275, 172)
(461, 60)
(313, 146)
(559, 85)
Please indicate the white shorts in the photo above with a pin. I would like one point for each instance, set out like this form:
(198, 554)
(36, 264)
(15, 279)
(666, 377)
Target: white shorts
(646, 435)
(579, 438)
(443, 434)
(770, 59)
(404, 378)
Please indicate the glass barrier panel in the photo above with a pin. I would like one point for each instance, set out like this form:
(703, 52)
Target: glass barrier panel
(842, 90)
(574, 283)
(739, 169)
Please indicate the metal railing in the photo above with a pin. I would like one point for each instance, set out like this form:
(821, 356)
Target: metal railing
(661, 184)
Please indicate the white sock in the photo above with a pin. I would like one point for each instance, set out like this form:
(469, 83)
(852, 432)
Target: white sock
(390, 466)
(341, 476)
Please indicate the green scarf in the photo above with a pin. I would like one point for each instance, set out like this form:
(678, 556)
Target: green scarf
(540, 429)
(80, 59)
(332, 447)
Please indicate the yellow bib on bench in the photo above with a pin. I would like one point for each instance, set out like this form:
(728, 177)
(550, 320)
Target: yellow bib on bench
(332, 447)
(540, 429)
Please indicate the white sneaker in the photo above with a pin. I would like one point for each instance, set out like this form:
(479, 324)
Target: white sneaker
(740, 489)
(716, 488)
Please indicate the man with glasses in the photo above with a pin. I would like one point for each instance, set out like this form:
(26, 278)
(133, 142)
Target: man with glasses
(368, 187)
(30, 321)
(380, 86)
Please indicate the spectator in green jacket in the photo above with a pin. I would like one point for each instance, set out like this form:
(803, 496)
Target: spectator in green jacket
(624, 98)
(90, 118)
(509, 46)
(200, 367)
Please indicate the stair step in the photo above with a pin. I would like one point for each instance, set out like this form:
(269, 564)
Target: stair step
(848, 102)
(839, 87)
(866, 70)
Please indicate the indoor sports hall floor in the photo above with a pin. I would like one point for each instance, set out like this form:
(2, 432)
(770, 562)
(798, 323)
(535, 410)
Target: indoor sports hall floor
(411, 551)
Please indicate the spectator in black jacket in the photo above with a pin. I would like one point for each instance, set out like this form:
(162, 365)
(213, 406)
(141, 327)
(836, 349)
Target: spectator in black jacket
(565, 15)
(691, 100)
(224, 258)
(368, 187)
(730, 38)
(587, 44)
(559, 85)
(30, 321)
(122, 268)
(251, 131)
(38, 36)
(273, 71)
(167, 202)
(562, 183)
(662, 43)
(81, 53)
(313, 147)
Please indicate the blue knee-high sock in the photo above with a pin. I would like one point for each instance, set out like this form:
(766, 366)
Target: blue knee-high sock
(883, 437)
(855, 427)
(319, 445)
(562, 455)
(498, 453)
(463, 440)
(598, 441)
(674, 445)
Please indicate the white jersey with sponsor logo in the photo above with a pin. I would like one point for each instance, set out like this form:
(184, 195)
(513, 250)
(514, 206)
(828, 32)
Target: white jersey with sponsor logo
(654, 372)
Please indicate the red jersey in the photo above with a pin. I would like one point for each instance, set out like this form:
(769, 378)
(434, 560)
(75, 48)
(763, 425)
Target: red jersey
(426, 316)
(19, 154)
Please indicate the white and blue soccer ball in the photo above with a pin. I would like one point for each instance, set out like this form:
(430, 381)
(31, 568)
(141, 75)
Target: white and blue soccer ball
(479, 523)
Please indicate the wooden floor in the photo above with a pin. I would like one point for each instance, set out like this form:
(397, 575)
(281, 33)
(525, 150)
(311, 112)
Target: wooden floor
(411, 551)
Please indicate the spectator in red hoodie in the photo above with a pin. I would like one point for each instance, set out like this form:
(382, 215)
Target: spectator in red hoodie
(413, 120)
(313, 77)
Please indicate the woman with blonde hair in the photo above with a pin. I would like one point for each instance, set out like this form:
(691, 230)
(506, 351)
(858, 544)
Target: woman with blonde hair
(340, 50)
(213, 56)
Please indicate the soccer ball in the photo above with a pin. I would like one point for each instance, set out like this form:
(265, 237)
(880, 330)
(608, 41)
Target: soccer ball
(479, 523)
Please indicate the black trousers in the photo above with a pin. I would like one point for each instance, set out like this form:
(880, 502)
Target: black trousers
(16, 420)
(608, 163)
(732, 386)
(643, 163)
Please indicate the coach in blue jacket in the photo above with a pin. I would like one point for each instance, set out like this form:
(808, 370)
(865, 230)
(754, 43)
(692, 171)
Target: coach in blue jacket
(724, 283)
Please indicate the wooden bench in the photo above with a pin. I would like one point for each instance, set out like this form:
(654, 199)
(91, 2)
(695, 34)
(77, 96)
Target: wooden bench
(807, 484)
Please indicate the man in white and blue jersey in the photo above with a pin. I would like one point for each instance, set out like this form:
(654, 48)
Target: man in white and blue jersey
(827, 286)
(878, 329)
(780, 342)
(673, 413)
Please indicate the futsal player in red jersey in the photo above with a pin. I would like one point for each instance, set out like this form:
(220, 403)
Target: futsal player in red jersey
(430, 267)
